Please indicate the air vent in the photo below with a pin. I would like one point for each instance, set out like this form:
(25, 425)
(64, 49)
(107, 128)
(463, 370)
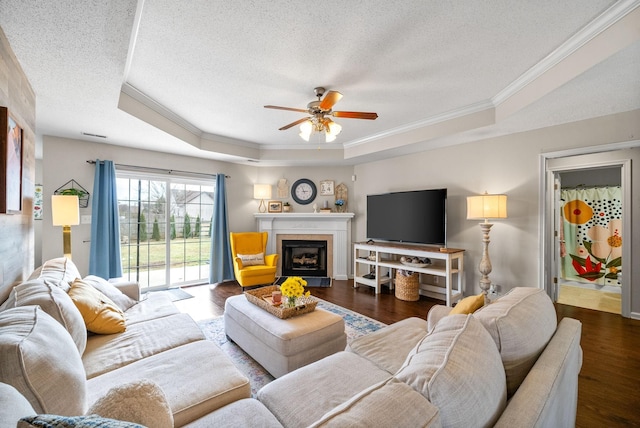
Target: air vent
(88, 134)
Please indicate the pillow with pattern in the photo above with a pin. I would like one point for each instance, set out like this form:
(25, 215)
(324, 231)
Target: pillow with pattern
(90, 421)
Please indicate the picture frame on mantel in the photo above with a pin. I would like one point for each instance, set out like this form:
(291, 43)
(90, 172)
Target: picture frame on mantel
(11, 164)
(275, 206)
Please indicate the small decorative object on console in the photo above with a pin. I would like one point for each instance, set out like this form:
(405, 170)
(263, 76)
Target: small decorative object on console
(418, 262)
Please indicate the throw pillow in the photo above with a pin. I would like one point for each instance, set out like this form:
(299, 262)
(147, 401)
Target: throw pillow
(142, 402)
(60, 269)
(41, 361)
(468, 305)
(54, 301)
(100, 314)
(13, 405)
(251, 259)
(521, 324)
(55, 421)
(457, 368)
(123, 301)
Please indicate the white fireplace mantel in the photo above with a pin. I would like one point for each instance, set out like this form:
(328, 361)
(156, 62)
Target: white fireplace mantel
(336, 224)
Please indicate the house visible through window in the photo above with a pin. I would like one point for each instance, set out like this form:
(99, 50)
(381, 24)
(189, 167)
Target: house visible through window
(165, 228)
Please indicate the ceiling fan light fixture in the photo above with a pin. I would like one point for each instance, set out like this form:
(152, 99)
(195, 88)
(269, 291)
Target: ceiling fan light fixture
(306, 128)
(329, 138)
(333, 128)
(318, 120)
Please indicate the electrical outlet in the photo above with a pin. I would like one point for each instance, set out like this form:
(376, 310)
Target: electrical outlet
(85, 219)
(496, 288)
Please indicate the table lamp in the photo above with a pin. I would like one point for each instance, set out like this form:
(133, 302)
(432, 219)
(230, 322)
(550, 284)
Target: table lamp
(262, 192)
(65, 210)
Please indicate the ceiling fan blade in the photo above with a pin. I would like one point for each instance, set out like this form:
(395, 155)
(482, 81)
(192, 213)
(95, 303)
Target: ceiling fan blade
(287, 108)
(297, 122)
(330, 99)
(355, 115)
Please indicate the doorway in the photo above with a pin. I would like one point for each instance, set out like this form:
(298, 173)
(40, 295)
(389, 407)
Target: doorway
(589, 245)
(574, 169)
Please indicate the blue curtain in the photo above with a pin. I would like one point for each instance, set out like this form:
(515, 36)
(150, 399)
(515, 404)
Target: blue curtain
(104, 259)
(220, 264)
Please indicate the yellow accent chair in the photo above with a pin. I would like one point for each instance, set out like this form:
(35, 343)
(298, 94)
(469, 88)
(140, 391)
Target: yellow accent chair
(250, 263)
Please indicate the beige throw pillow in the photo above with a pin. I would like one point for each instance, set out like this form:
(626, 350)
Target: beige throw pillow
(521, 324)
(54, 301)
(123, 301)
(251, 259)
(458, 369)
(59, 269)
(41, 361)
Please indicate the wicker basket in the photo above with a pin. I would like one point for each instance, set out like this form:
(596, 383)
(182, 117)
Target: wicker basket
(407, 287)
(257, 297)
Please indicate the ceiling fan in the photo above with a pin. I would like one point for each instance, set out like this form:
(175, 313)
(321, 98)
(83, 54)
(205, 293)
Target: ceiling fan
(318, 120)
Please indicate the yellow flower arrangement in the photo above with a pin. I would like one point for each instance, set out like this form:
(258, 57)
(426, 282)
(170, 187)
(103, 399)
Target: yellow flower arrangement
(292, 288)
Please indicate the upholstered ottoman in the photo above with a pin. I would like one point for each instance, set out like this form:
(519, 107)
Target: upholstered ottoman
(283, 345)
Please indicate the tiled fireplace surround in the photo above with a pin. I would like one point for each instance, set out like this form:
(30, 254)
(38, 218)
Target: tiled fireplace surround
(335, 228)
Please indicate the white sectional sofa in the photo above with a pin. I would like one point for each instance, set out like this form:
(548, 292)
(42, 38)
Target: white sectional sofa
(508, 364)
(47, 355)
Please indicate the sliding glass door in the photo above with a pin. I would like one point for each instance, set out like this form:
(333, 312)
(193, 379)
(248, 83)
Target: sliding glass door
(165, 229)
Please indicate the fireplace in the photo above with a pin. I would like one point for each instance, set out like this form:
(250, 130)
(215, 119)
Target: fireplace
(304, 257)
(335, 228)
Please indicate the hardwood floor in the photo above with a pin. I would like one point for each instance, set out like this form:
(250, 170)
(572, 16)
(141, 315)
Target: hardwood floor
(609, 385)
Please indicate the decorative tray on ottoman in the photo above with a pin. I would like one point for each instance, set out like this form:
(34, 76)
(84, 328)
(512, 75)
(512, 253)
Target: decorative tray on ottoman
(262, 297)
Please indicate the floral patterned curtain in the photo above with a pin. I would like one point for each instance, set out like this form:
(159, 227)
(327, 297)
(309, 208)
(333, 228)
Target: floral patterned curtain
(591, 234)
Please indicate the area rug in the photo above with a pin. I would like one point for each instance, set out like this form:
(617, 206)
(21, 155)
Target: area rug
(174, 294)
(355, 324)
(312, 281)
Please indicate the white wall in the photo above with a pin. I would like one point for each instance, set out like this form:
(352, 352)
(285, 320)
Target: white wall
(65, 159)
(509, 165)
(271, 175)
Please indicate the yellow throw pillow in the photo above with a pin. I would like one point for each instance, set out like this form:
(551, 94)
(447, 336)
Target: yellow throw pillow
(100, 314)
(468, 305)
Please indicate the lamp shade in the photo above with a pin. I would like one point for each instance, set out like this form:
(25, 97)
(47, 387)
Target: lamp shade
(65, 210)
(486, 206)
(261, 191)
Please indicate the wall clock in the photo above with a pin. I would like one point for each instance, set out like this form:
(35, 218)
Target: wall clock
(303, 191)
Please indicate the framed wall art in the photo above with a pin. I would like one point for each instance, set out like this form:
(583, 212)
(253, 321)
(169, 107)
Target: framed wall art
(275, 206)
(37, 202)
(10, 164)
(326, 188)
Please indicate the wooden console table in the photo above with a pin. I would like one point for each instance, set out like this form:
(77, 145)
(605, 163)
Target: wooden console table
(442, 279)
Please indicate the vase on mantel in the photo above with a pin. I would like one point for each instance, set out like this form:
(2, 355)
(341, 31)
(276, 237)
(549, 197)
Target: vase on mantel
(341, 208)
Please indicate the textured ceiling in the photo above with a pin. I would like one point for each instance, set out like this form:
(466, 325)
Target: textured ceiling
(193, 77)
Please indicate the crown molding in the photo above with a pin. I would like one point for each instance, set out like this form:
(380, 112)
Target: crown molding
(149, 102)
(430, 121)
(604, 21)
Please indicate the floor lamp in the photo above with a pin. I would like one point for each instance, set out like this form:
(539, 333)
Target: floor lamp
(262, 192)
(65, 210)
(485, 207)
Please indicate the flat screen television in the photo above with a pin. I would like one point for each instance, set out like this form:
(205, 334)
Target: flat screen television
(418, 216)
